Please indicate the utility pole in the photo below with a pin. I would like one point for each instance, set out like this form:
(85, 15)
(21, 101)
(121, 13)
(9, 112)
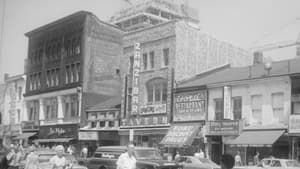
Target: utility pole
(2, 16)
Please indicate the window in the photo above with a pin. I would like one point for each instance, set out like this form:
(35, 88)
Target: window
(73, 73)
(152, 59)
(74, 106)
(57, 76)
(145, 61)
(71, 104)
(296, 107)
(130, 64)
(68, 74)
(33, 109)
(78, 45)
(237, 108)
(256, 103)
(18, 115)
(111, 123)
(48, 78)
(102, 123)
(20, 93)
(166, 56)
(50, 108)
(219, 110)
(58, 51)
(156, 90)
(277, 105)
(78, 70)
(54, 52)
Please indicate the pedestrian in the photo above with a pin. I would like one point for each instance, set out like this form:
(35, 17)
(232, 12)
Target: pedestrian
(127, 160)
(19, 154)
(58, 161)
(177, 155)
(70, 150)
(238, 159)
(32, 159)
(11, 158)
(256, 158)
(84, 152)
(201, 154)
(227, 161)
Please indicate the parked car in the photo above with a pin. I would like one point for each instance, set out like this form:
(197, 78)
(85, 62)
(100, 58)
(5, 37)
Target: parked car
(191, 162)
(274, 163)
(147, 158)
(46, 155)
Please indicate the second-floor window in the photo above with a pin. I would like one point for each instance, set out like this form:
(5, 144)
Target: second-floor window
(219, 109)
(156, 90)
(166, 57)
(151, 60)
(277, 105)
(71, 104)
(33, 110)
(52, 77)
(51, 108)
(72, 73)
(237, 108)
(256, 104)
(35, 81)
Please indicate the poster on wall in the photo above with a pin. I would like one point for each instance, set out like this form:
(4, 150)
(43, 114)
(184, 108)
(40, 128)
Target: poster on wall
(190, 106)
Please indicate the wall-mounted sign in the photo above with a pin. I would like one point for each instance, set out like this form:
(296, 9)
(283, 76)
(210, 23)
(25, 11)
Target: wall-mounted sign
(153, 109)
(144, 121)
(59, 131)
(135, 78)
(294, 124)
(223, 128)
(190, 106)
(88, 135)
(227, 103)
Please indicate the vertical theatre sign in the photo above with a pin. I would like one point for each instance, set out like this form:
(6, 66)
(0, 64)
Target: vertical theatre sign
(135, 78)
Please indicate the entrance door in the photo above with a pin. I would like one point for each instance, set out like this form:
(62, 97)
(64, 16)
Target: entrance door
(216, 149)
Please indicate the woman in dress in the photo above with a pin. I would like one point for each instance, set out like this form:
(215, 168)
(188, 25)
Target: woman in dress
(32, 160)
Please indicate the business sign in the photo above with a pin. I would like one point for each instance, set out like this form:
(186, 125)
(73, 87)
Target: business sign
(294, 124)
(153, 109)
(224, 128)
(190, 106)
(180, 135)
(135, 79)
(88, 135)
(59, 131)
(29, 125)
(227, 103)
(144, 121)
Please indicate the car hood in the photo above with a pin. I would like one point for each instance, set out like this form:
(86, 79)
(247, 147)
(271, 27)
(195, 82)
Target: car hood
(156, 162)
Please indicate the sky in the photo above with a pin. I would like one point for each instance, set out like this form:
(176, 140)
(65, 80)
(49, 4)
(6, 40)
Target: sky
(244, 23)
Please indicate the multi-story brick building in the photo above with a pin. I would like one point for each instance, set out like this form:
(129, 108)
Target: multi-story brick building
(165, 53)
(72, 64)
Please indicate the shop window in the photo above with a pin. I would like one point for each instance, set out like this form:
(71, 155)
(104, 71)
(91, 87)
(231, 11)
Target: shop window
(166, 57)
(219, 111)
(256, 104)
(237, 108)
(156, 90)
(277, 105)
(145, 61)
(152, 59)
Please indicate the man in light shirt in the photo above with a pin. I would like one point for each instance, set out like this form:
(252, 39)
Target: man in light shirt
(127, 160)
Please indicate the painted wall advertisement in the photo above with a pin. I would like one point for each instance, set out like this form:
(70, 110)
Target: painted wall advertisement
(190, 106)
(294, 124)
(135, 79)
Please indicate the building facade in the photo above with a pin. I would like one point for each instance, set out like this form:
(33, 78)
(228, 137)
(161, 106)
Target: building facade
(72, 65)
(13, 107)
(249, 110)
(157, 57)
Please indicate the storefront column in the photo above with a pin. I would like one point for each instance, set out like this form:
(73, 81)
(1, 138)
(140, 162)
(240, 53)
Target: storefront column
(41, 111)
(60, 113)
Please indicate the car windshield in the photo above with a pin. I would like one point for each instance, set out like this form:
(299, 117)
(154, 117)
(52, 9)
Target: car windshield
(147, 154)
(292, 163)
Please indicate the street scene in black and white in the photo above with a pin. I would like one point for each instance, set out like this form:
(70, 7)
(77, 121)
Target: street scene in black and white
(149, 84)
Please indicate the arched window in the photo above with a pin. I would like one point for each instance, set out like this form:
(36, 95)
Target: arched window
(156, 90)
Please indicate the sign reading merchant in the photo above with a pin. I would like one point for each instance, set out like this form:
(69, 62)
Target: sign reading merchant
(190, 106)
(294, 124)
(180, 135)
(135, 78)
(224, 127)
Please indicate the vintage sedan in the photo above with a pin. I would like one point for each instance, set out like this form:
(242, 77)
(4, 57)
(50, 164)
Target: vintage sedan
(147, 158)
(273, 163)
(191, 162)
(46, 155)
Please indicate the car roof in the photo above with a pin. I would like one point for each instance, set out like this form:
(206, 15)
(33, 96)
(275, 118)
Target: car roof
(121, 148)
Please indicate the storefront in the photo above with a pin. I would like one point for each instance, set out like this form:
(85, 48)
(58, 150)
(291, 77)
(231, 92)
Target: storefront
(29, 133)
(218, 133)
(268, 142)
(64, 134)
(294, 135)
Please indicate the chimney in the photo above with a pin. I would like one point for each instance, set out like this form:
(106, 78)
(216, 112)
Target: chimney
(258, 57)
(6, 76)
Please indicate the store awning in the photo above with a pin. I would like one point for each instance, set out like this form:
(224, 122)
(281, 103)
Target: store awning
(264, 138)
(25, 135)
(57, 140)
(181, 135)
